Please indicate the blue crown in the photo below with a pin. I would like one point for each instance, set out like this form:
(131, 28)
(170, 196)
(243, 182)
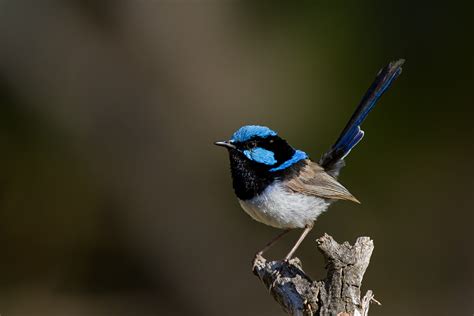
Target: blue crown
(249, 131)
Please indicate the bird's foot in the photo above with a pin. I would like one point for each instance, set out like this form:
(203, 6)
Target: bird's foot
(276, 275)
(257, 260)
(295, 261)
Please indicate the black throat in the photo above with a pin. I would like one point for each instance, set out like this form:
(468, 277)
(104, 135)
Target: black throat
(250, 178)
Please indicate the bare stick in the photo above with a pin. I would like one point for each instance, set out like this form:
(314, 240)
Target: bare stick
(338, 294)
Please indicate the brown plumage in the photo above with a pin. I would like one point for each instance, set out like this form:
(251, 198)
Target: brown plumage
(313, 180)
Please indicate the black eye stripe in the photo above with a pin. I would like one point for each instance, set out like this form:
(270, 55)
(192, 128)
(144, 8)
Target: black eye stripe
(273, 143)
(278, 146)
(251, 144)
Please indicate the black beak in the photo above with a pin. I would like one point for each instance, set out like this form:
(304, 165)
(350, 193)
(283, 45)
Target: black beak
(226, 143)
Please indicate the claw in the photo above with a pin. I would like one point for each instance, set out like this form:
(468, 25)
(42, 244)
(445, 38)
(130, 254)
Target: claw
(258, 257)
(276, 274)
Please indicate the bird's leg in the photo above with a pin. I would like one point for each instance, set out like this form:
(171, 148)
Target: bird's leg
(306, 230)
(276, 273)
(272, 242)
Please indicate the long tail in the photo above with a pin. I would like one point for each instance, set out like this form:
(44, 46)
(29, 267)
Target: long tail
(333, 160)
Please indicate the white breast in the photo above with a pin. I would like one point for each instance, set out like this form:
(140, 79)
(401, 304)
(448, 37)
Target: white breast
(278, 207)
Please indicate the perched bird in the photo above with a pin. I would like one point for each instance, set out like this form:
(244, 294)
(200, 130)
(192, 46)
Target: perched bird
(281, 186)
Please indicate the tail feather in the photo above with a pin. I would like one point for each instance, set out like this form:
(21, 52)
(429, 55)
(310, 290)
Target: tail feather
(332, 160)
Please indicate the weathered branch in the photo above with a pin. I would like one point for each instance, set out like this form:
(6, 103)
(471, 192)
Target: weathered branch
(338, 294)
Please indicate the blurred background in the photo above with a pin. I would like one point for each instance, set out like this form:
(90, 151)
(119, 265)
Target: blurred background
(114, 201)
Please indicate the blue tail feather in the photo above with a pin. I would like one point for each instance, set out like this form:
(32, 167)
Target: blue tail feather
(352, 134)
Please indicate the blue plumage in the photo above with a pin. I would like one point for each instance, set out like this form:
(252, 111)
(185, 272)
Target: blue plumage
(352, 134)
(297, 156)
(261, 155)
(247, 132)
(279, 185)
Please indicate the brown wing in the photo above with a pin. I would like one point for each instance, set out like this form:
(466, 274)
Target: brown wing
(313, 180)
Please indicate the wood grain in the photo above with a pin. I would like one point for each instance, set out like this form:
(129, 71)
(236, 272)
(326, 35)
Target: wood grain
(338, 294)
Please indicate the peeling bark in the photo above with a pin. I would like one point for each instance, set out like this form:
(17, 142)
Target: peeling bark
(337, 295)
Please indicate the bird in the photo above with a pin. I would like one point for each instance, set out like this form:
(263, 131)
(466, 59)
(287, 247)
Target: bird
(281, 186)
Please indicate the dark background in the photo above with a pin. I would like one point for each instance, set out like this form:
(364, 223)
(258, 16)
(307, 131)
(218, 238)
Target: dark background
(113, 200)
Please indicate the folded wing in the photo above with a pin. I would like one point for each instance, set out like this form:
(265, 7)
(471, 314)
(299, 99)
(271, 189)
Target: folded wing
(313, 180)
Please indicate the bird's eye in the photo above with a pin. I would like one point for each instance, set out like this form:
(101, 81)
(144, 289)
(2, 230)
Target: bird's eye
(271, 141)
(252, 144)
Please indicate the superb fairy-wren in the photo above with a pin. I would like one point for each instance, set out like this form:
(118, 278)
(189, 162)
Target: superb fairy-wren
(281, 186)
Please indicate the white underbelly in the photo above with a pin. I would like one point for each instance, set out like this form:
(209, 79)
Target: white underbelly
(280, 208)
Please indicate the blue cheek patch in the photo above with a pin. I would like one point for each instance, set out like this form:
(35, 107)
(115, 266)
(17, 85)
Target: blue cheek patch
(297, 156)
(261, 155)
